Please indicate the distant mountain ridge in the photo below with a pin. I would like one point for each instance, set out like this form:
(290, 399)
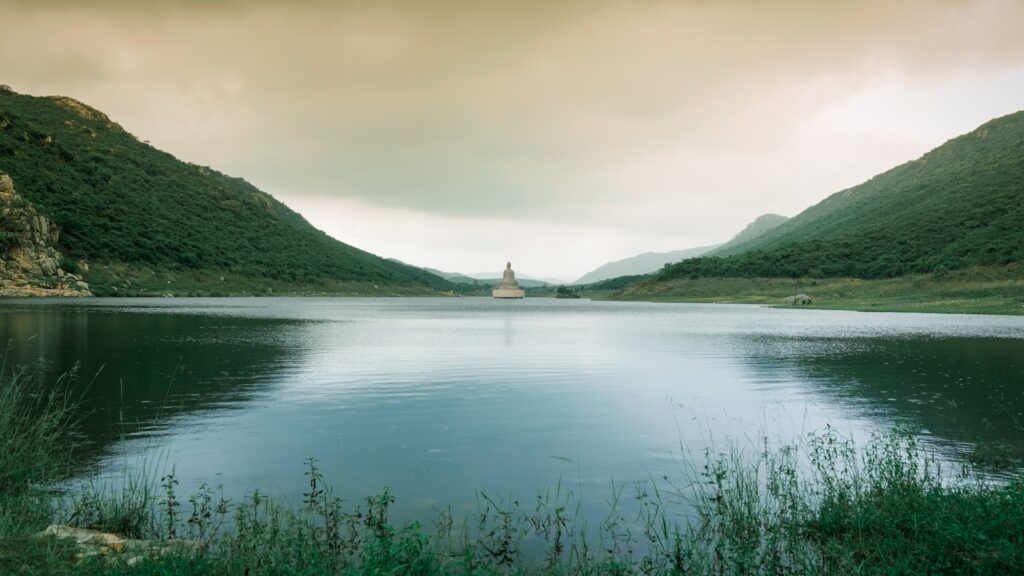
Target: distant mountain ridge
(958, 206)
(640, 264)
(452, 276)
(650, 262)
(485, 278)
(119, 201)
(525, 280)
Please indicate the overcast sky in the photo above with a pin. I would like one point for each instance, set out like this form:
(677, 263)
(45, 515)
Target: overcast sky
(558, 135)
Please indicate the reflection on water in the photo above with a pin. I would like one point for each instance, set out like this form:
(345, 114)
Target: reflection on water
(439, 398)
(953, 389)
(137, 372)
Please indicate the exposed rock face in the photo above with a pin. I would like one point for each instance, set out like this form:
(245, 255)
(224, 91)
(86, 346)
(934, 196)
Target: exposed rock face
(29, 259)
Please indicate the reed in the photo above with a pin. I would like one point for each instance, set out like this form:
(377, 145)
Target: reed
(35, 420)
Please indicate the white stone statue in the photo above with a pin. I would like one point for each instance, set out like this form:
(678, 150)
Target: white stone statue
(508, 287)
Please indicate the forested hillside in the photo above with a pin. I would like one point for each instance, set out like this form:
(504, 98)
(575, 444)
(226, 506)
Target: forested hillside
(958, 206)
(118, 200)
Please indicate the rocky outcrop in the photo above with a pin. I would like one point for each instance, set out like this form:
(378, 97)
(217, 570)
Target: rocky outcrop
(799, 300)
(116, 548)
(30, 263)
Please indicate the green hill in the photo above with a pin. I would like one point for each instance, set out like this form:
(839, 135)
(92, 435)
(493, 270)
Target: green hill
(959, 206)
(620, 272)
(760, 226)
(136, 210)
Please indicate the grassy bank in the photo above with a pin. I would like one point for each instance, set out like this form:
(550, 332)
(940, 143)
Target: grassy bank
(819, 505)
(974, 291)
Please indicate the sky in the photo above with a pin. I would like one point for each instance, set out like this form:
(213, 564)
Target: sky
(558, 135)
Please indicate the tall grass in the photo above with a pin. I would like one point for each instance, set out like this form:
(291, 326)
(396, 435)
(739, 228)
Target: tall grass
(36, 446)
(126, 508)
(35, 420)
(820, 505)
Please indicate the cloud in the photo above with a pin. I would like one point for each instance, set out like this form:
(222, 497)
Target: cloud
(678, 118)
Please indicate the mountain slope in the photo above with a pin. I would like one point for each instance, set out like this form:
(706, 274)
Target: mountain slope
(454, 277)
(640, 264)
(119, 200)
(761, 225)
(958, 206)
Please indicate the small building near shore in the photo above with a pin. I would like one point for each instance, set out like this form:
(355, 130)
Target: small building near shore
(508, 287)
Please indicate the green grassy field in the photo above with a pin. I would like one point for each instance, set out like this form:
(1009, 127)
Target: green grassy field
(986, 290)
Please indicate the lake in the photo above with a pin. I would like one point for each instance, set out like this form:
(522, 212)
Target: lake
(441, 398)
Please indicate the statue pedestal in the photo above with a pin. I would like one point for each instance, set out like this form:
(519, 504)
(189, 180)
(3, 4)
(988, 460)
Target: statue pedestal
(508, 293)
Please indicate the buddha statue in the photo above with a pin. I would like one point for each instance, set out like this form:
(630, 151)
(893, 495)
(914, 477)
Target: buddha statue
(508, 287)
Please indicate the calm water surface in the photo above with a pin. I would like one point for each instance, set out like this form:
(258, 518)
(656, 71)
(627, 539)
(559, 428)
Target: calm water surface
(440, 398)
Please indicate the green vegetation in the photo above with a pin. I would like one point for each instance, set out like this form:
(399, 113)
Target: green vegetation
(120, 202)
(36, 441)
(31, 418)
(958, 206)
(118, 279)
(939, 234)
(8, 240)
(566, 292)
(612, 283)
(816, 506)
(761, 225)
(984, 290)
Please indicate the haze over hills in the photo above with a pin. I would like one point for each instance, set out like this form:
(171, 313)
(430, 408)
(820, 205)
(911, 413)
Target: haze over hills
(490, 278)
(649, 262)
(640, 264)
(485, 278)
(124, 204)
(452, 276)
(525, 280)
(958, 206)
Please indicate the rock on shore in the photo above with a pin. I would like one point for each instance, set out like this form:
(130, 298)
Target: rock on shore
(94, 543)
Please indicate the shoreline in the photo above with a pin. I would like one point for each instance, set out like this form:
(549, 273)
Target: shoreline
(972, 291)
(977, 308)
